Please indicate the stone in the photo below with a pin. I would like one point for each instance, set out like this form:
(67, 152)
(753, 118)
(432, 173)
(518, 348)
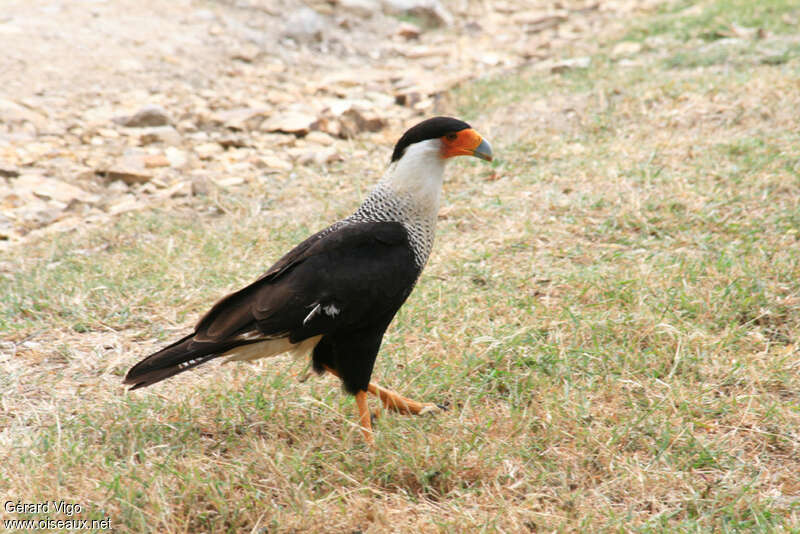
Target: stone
(207, 150)
(233, 141)
(319, 156)
(8, 171)
(571, 63)
(359, 8)
(304, 25)
(431, 12)
(409, 31)
(246, 53)
(296, 123)
(241, 118)
(177, 158)
(231, 181)
(319, 138)
(534, 22)
(626, 48)
(181, 188)
(152, 161)
(125, 203)
(131, 169)
(273, 163)
(118, 187)
(166, 135)
(147, 116)
(51, 189)
(11, 112)
(355, 121)
(128, 175)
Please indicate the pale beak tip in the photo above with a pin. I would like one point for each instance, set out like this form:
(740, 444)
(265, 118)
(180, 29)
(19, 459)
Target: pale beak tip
(483, 151)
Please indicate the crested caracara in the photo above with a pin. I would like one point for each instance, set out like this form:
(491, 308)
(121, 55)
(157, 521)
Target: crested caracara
(333, 295)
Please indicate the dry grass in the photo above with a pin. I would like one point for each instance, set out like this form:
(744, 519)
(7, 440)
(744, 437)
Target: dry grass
(612, 311)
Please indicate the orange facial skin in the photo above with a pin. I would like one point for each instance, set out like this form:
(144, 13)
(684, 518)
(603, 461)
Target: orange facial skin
(465, 143)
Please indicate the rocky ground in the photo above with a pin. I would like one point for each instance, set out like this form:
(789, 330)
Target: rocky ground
(112, 106)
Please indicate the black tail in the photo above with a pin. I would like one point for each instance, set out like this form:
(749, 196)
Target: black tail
(176, 358)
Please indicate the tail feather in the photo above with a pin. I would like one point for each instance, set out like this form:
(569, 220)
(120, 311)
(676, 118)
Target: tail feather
(169, 361)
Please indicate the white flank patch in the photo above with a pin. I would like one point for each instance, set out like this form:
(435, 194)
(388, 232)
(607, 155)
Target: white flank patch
(331, 310)
(254, 351)
(270, 348)
(304, 348)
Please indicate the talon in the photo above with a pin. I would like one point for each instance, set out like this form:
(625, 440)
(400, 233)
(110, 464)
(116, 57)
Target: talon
(432, 408)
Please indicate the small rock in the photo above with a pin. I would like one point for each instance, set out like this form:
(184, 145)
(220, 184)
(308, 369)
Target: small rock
(152, 161)
(569, 64)
(147, 116)
(273, 163)
(534, 22)
(246, 53)
(319, 156)
(129, 176)
(118, 187)
(333, 128)
(408, 97)
(409, 31)
(7, 171)
(177, 158)
(431, 12)
(320, 138)
(131, 169)
(11, 112)
(51, 189)
(360, 8)
(229, 182)
(7, 231)
(182, 188)
(160, 134)
(304, 25)
(356, 120)
(108, 133)
(296, 123)
(207, 150)
(626, 48)
(241, 118)
(233, 141)
(201, 185)
(127, 202)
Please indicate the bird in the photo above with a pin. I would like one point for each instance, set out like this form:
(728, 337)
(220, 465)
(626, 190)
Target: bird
(332, 297)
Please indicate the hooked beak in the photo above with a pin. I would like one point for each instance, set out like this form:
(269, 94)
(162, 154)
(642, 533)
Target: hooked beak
(483, 151)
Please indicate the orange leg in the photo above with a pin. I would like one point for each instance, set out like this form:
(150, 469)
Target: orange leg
(364, 417)
(394, 401)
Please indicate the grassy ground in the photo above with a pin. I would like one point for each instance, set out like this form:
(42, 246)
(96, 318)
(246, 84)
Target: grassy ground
(612, 311)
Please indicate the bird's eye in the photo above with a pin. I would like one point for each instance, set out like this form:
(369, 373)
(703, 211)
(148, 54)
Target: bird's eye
(451, 136)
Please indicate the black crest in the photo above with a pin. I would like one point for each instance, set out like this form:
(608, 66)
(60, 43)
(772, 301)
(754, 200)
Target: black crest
(428, 129)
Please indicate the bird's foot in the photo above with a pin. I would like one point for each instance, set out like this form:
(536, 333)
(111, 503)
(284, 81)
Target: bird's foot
(397, 403)
(429, 407)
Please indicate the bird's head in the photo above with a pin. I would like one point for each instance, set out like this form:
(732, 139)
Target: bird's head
(451, 137)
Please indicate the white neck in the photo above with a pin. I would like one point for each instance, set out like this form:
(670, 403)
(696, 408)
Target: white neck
(417, 177)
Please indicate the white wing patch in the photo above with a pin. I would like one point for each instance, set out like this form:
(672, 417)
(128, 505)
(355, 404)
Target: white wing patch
(330, 310)
(311, 314)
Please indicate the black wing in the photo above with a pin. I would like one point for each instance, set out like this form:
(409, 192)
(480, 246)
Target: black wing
(352, 278)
